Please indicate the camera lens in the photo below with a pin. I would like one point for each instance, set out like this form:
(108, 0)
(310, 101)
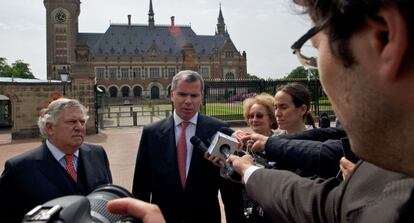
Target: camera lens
(100, 197)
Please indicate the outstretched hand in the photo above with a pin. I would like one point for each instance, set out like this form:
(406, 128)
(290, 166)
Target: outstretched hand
(241, 164)
(258, 142)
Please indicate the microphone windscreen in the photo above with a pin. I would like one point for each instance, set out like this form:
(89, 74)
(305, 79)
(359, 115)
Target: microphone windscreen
(198, 143)
(227, 131)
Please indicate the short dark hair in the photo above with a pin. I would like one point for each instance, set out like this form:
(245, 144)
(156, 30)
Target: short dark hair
(188, 76)
(341, 18)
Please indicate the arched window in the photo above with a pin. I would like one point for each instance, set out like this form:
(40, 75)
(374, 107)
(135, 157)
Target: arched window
(125, 91)
(137, 91)
(169, 91)
(229, 75)
(155, 92)
(113, 92)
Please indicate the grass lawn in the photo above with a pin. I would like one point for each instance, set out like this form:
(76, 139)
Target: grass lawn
(212, 109)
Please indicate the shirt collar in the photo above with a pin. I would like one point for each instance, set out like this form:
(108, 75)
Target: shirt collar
(178, 119)
(56, 151)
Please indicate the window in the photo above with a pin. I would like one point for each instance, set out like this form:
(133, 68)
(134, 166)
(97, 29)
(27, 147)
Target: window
(125, 91)
(204, 72)
(229, 75)
(124, 73)
(112, 73)
(171, 72)
(113, 92)
(154, 72)
(136, 73)
(137, 91)
(229, 54)
(100, 73)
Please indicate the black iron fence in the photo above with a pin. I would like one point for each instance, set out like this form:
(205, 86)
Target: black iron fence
(223, 99)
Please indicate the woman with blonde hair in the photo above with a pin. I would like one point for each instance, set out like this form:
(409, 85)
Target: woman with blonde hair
(259, 114)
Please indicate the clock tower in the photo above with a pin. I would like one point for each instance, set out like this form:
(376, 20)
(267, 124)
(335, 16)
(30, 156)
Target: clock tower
(61, 30)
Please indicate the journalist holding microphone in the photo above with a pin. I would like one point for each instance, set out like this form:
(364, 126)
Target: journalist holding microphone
(365, 50)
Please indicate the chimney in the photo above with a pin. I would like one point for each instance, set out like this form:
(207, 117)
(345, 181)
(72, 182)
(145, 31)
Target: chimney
(129, 21)
(172, 21)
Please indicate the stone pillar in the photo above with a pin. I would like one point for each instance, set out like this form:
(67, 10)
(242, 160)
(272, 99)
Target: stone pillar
(82, 85)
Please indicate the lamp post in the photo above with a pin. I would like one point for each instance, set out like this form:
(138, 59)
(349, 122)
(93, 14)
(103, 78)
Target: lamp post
(64, 78)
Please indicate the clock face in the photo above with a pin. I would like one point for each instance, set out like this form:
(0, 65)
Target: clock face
(60, 16)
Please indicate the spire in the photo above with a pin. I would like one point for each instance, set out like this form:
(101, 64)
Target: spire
(221, 26)
(220, 18)
(151, 16)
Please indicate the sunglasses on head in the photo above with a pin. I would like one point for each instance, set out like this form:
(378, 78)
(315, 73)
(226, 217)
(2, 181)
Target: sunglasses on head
(257, 115)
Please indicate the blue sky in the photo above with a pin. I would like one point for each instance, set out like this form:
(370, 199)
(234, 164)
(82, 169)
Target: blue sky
(264, 29)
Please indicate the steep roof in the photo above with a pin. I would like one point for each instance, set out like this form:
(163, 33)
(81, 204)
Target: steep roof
(122, 39)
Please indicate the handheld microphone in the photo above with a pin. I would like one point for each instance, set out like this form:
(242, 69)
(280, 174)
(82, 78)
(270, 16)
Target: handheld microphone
(197, 143)
(227, 131)
(227, 171)
(222, 145)
(260, 161)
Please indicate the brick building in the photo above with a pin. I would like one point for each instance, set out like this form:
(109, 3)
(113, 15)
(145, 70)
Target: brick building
(137, 61)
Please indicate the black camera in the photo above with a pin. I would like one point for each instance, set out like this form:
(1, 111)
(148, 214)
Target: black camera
(81, 209)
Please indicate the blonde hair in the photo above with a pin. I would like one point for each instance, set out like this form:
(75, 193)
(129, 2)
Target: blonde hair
(267, 101)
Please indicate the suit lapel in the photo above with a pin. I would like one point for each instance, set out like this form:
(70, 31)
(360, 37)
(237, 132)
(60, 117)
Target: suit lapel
(168, 151)
(198, 156)
(89, 169)
(48, 165)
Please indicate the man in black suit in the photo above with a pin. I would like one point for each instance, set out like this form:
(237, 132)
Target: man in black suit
(62, 165)
(184, 186)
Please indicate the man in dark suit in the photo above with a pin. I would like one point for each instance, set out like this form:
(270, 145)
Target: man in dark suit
(62, 165)
(184, 186)
(367, 72)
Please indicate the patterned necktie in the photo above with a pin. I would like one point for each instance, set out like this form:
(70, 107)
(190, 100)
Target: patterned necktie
(182, 153)
(70, 168)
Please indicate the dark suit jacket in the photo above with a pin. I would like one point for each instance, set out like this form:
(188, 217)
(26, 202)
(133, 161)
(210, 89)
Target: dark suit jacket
(157, 178)
(370, 194)
(35, 177)
(305, 157)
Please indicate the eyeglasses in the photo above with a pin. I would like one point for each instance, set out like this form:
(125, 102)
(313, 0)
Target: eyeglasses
(309, 62)
(258, 115)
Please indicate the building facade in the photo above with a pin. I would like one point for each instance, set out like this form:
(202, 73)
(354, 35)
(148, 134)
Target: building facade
(137, 60)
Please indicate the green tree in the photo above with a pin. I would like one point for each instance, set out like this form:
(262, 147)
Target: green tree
(22, 69)
(18, 69)
(302, 73)
(4, 68)
(252, 76)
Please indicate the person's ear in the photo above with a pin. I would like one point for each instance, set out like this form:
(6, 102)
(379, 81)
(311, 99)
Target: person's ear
(49, 128)
(303, 109)
(390, 39)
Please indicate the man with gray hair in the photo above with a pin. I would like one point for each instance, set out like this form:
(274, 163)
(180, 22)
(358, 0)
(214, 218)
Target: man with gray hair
(62, 165)
(169, 172)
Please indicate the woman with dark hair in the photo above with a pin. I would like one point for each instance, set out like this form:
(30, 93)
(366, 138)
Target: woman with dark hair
(292, 103)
